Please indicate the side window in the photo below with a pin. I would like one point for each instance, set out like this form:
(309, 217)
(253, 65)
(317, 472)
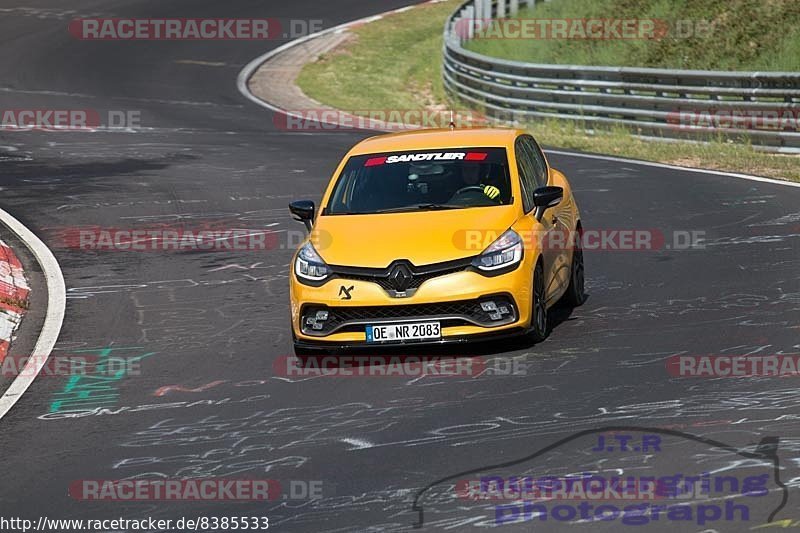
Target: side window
(538, 161)
(526, 174)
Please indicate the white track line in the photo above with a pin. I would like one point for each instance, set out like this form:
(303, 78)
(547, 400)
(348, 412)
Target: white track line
(674, 167)
(247, 72)
(56, 304)
(252, 66)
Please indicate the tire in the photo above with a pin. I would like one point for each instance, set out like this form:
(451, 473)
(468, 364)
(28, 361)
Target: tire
(575, 295)
(538, 330)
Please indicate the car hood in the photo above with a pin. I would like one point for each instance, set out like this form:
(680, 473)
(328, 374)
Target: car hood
(422, 237)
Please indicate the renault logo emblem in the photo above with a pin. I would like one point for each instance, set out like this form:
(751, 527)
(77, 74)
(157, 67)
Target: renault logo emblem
(400, 277)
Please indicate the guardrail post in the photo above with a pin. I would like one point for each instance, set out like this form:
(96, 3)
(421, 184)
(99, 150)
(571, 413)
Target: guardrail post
(485, 12)
(469, 15)
(501, 9)
(453, 32)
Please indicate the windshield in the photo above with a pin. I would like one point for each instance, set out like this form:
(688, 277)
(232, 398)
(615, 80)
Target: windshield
(422, 180)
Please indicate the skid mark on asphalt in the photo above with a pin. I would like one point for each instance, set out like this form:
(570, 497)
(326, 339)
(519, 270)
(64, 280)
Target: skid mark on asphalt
(165, 285)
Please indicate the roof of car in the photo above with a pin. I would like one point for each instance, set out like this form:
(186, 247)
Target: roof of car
(437, 138)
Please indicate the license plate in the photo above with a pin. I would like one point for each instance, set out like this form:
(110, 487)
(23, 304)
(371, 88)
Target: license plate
(404, 332)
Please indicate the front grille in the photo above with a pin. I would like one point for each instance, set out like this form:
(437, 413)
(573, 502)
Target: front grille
(461, 312)
(385, 278)
(416, 280)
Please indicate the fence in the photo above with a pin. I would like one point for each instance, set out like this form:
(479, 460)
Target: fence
(763, 107)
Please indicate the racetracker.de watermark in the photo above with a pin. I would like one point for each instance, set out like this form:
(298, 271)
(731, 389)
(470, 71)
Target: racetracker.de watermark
(405, 366)
(770, 119)
(191, 29)
(589, 488)
(55, 120)
(602, 29)
(175, 490)
(70, 365)
(733, 366)
(590, 240)
(323, 119)
(217, 236)
(199, 489)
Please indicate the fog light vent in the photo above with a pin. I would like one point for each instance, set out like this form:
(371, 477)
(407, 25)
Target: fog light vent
(316, 320)
(489, 306)
(496, 312)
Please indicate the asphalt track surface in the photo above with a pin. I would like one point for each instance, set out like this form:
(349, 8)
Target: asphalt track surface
(214, 322)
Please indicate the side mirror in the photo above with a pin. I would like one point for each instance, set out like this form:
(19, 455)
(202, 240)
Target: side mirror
(303, 211)
(546, 197)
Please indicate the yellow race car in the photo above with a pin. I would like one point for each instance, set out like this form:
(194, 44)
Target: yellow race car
(436, 236)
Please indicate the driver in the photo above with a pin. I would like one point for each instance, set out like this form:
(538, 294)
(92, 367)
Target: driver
(470, 175)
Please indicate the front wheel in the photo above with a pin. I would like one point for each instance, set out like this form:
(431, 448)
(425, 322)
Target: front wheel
(575, 294)
(538, 330)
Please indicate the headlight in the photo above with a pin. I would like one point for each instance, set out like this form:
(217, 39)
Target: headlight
(503, 252)
(309, 265)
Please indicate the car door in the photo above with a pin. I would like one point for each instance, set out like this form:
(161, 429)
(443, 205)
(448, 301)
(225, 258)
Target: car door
(529, 183)
(558, 217)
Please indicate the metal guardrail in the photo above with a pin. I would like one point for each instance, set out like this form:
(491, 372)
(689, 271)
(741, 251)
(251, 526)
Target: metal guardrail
(760, 107)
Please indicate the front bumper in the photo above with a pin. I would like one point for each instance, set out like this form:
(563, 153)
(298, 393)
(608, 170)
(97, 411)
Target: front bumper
(505, 333)
(452, 299)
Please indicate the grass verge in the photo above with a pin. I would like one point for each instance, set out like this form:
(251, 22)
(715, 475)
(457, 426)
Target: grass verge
(395, 63)
(697, 34)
